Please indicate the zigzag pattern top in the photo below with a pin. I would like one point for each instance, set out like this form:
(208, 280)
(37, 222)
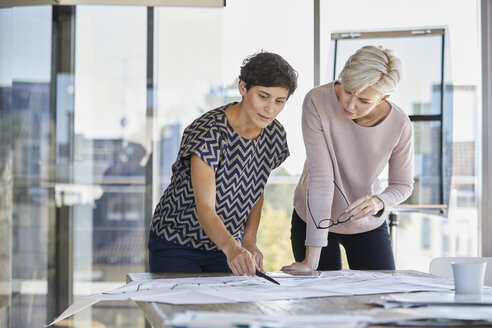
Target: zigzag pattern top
(241, 168)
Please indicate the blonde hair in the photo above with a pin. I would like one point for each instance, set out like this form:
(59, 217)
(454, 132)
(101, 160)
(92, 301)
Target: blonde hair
(371, 66)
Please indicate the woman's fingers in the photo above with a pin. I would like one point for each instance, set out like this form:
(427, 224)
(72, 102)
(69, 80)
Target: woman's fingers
(259, 260)
(233, 269)
(355, 204)
(296, 266)
(256, 254)
(362, 207)
(242, 262)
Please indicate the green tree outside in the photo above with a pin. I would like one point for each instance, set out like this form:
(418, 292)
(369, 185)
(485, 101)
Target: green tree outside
(274, 238)
(274, 231)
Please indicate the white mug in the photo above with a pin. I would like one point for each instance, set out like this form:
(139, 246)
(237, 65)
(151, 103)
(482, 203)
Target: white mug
(469, 277)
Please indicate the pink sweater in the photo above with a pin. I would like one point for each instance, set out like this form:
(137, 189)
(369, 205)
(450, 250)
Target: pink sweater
(354, 157)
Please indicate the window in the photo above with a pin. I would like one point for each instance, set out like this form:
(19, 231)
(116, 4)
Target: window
(107, 129)
(25, 116)
(420, 93)
(190, 83)
(100, 98)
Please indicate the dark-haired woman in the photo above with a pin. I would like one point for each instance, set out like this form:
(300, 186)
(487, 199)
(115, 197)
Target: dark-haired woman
(207, 218)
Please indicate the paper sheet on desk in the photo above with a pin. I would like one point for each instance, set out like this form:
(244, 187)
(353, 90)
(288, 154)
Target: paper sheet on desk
(78, 306)
(231, 289)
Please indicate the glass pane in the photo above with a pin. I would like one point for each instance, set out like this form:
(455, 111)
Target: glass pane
(5, 165)
(109, 153)
(427, 163)
(292, 38)
(190, 83)
(433, 236)
(30, 134)
(418, 92)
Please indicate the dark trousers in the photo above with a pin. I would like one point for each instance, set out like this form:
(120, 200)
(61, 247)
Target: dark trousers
(369, 250)
(165, 256)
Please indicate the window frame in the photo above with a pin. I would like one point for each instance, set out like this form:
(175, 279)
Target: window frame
(338, 36)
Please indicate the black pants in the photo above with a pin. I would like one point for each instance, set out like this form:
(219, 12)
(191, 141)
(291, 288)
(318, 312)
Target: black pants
(165, 256)
(369, 250)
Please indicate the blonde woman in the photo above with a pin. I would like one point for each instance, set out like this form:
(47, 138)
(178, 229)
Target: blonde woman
(351, 133)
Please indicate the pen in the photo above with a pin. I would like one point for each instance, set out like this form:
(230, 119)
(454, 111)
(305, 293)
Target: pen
(261, 274)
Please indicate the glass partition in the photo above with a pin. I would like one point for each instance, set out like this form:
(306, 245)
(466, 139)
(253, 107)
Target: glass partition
(419, 93)
(108, 153)
(29, 128)
(189, 77)
(422, 67)
(200, 72)
(84, 146)
(5, 166)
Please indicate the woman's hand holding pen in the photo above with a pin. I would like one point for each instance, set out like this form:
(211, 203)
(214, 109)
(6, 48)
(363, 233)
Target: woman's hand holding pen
(256, 253)
(240, 260)
(364, 207)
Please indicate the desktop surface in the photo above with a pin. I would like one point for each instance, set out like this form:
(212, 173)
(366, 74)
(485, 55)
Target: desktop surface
(157, 313)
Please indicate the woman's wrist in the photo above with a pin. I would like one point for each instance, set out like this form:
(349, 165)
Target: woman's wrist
(378, 204)
(312, 257)
(229, 247)
(249, 241)
(311, 265)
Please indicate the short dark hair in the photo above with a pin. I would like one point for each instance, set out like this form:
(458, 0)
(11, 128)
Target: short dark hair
(268, 69)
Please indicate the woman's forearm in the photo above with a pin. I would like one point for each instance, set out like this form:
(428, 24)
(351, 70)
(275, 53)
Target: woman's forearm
(216, 231)
(312, 257)
(253, 222)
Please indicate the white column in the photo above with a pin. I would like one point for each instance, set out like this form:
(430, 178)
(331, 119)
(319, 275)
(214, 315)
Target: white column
(485, 220)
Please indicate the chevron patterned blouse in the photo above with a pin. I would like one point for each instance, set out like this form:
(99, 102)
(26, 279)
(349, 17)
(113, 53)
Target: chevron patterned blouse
(241, 168)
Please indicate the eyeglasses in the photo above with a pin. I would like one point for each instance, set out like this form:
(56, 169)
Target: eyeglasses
(327, 223)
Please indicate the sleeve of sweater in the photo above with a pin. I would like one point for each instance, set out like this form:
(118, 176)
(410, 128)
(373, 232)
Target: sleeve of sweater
(400, 171)
(320, 185)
